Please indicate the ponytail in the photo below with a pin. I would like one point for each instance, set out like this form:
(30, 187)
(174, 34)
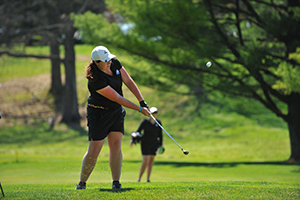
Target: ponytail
(90, 70)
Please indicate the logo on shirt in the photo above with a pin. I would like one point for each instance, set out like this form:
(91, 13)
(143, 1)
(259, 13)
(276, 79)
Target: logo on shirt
(117, 72)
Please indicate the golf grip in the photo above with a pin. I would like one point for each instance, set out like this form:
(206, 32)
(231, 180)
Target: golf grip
(165, 131)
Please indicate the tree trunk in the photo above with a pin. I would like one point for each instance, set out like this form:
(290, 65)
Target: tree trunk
(56, 83)
(70, 102)
(294, 126)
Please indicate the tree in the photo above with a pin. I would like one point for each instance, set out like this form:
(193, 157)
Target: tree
(250, 43)
(50, 21)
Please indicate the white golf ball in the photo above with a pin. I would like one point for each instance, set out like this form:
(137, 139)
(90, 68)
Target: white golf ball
(208, 64)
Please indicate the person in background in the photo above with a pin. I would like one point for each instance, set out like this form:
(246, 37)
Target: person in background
(151, 141)
(105, 114)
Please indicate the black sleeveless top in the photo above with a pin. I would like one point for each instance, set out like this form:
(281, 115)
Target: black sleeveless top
(102, 80)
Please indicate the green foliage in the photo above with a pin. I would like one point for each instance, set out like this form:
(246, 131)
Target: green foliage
(96, 27)
(296, 11)
(289, 75)
(289, 78)
(155, 43)
(248, 43)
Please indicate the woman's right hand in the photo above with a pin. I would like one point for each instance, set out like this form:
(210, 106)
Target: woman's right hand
(145, 111)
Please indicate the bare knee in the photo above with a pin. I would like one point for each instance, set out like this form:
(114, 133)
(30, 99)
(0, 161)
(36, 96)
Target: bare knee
(146, 160)
(114, 141)
(94, 149)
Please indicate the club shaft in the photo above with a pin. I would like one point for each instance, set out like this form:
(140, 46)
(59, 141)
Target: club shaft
(165, 131)
(2, 190)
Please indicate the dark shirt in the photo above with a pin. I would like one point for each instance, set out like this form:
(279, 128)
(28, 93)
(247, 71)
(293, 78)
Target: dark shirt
(102, 80)
(152, 133)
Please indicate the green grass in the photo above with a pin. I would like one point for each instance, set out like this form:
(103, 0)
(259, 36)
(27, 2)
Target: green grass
(23, 67)
(12, 68)
(174, 190)
(217, 157)
(237, 148)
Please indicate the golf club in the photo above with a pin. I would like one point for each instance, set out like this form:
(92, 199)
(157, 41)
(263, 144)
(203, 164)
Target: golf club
(185, 152)
(2, 190)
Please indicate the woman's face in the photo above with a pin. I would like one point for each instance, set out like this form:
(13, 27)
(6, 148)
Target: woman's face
(154, 114)
(103, 65)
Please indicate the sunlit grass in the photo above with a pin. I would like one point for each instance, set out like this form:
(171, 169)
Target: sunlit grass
(174, 190)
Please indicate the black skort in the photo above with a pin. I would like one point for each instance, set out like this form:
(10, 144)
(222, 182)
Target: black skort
(149, 148)
(101, 122)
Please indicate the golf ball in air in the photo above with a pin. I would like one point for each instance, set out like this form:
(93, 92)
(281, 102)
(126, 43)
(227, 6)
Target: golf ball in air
(208, 64)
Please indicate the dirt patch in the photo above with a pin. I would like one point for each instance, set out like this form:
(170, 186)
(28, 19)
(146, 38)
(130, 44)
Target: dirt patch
(23, 100)
(84, 58)
(26, 101)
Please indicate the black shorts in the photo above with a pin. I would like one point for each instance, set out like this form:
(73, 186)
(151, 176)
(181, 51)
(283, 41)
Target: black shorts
(101, 122)
(149, 148)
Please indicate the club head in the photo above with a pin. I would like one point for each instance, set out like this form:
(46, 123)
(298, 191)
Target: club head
(185, 152)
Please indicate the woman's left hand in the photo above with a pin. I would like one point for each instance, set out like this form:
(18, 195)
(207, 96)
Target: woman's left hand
(145, 112)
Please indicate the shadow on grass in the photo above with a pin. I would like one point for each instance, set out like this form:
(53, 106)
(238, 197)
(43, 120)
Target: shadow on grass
(39, 134)
(116, 191)
(222, 164)
(218, 164)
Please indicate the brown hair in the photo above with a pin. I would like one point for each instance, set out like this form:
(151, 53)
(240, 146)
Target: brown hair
(91, 70)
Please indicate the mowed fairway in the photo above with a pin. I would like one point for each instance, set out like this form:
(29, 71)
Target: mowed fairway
(51, 171)
(170, 190)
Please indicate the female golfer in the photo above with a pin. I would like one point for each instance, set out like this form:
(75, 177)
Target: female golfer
(150, 142)
(105, 114)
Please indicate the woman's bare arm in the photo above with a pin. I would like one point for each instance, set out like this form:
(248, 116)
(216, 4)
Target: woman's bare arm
(112, 95)
(128, 81)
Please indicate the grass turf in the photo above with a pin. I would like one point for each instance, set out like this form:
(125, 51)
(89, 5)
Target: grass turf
(171, 190)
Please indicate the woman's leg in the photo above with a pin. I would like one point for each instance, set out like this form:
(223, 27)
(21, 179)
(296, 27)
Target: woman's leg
(115, 154)
(144, 164)
(90, 158)
(149, 167)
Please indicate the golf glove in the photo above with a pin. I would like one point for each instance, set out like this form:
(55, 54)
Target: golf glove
(135, 137)
(143, 104)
